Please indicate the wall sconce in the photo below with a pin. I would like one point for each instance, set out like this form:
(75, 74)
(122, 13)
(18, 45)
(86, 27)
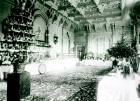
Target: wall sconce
(55, 38)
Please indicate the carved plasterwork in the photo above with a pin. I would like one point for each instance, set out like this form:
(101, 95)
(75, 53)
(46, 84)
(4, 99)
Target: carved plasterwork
(89, 10)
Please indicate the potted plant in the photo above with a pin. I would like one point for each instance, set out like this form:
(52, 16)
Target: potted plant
(17, 62)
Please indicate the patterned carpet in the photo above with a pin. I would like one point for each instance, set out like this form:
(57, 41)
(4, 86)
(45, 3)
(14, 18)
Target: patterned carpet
(73, 86)
(86, 93)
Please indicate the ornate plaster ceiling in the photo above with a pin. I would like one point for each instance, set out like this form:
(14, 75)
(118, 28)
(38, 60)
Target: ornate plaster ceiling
(89, 11)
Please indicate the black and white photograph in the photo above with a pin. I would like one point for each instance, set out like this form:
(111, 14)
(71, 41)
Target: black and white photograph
(69, 50)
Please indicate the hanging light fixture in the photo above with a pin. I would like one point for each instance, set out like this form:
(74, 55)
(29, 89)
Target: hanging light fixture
(55, 39)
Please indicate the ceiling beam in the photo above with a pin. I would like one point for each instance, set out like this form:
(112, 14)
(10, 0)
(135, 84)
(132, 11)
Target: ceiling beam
(102, 20)
(114, 19)
(92, 11)
(112, 10)
(83, 22)
(85, 4)
(109, 1)
(98, 20)
(103, 15)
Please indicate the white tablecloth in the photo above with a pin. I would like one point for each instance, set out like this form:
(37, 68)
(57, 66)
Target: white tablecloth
(117, 88)
(52, 66)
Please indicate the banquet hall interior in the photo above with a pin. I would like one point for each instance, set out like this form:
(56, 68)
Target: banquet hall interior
(64, 50)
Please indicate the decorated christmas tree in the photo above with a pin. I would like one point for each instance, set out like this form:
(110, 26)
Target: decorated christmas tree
(122, 49)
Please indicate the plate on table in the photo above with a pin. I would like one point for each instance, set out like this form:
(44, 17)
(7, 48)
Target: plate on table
(42, 69)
